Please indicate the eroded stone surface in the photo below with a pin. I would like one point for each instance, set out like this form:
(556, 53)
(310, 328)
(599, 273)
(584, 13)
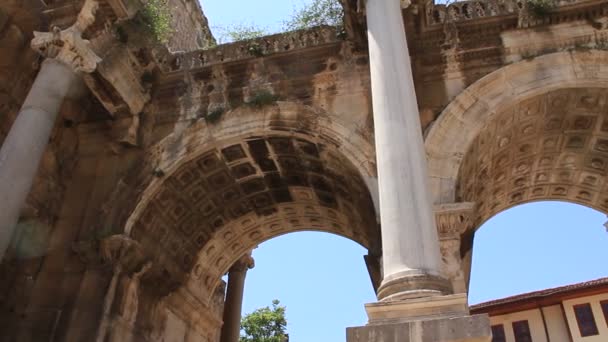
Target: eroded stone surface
(130, 157)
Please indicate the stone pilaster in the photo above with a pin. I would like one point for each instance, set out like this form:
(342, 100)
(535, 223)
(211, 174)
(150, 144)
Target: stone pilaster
(234, 299)
(453, 220)
(129, 263)
(68, 55)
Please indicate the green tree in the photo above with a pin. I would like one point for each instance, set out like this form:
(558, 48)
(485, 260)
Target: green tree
(265, 325)
(316, 13)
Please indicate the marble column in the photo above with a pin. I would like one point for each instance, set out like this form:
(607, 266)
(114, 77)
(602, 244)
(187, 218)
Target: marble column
(27, 140)
(234, 299)
(411, 258)
(67, 56)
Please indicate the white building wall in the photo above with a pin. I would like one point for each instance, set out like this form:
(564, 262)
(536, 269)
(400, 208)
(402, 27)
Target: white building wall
(600, 320)
(556, 324)
(535, 322)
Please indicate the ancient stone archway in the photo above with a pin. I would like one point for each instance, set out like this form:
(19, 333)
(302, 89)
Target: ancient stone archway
(551, 146)
(471, 113)
(534, 130)
(258, 174)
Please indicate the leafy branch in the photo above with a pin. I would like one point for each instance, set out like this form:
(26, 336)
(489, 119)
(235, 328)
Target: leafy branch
(239, 32)
(316, 13)
(265, 325)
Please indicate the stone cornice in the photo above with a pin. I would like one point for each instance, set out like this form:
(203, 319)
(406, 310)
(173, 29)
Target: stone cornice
(475, 10)
(454, 219)
(280, 43)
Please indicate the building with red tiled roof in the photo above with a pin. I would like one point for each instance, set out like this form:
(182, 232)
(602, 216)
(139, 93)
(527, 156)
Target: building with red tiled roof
(571, 313)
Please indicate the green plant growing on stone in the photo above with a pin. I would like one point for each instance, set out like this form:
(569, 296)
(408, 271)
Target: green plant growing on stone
(156, 15)
(316, 13)
(265, 325)
(255, 49)
(262, 98)
(540, 8)
(214, 115)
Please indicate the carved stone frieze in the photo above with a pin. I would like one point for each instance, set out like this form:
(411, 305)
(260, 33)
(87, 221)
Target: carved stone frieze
(438, 13)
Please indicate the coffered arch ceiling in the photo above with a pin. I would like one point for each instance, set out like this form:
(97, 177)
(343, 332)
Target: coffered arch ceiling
(236, 194)
(493, 141)
(552, 146)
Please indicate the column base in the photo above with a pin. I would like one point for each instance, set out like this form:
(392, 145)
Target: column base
(410, 285)
(431, 319)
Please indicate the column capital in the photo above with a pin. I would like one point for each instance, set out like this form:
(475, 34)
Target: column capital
(454, 219)
(67, 45)
(245, 263)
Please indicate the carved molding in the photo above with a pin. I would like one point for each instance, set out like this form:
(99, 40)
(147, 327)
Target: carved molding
(68, 46)
(453, 219)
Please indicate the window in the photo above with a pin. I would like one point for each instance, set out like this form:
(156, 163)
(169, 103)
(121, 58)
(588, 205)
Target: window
(521, 330)
(585, 320)
(498, 333)
(604, 305)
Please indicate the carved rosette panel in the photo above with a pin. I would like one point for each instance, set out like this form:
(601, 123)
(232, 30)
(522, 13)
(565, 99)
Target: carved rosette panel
(550, 147)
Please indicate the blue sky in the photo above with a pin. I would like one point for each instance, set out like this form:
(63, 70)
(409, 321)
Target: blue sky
(322, 279)
(266, 14)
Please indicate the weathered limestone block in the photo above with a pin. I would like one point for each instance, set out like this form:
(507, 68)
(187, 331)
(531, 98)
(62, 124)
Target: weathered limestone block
(124, 9)
(427, 319)
(122, 77)
(460, 329)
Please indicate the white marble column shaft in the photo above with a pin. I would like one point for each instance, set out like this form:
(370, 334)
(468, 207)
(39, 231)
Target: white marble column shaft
(411, 259)
(27, 140)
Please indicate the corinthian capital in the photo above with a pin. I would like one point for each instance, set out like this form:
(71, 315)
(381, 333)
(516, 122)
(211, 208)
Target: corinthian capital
(245, 263)
(454, 219)
(68, 46)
